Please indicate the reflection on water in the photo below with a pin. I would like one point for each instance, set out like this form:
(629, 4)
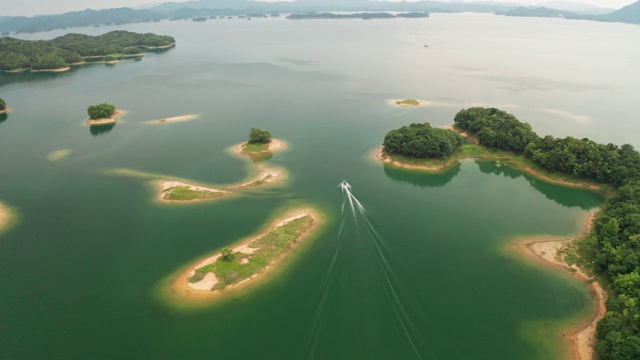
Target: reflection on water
(420, 178)
(560, 194)
(3, 117)
(101, 129)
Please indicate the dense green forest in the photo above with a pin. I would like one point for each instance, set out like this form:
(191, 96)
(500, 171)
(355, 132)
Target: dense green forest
(259, 136)
(3, 105)
(614, 244)
(72, 48)
(422, 141)
(101, 111)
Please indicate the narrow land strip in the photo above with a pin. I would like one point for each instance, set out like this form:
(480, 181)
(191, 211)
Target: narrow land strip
(206, 279)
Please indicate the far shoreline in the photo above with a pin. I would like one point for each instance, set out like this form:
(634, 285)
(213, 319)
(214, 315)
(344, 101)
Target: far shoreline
(177, 288)
(543, 250)
(106, 121)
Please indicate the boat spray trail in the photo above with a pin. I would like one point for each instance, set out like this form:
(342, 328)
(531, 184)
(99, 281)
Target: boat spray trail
(362, 236)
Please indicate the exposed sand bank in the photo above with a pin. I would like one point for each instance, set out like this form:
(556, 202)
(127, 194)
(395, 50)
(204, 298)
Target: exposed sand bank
(180, 289)
(106, 121)
(544, 250)
(5, 111)
(266, 177)
(64, 69)
(174, 119)
(158, 47)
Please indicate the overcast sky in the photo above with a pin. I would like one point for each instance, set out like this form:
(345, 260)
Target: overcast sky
(39, 7)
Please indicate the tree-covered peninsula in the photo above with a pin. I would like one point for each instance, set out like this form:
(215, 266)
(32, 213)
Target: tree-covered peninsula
(613, 247)
(71, 49)
(422, 141)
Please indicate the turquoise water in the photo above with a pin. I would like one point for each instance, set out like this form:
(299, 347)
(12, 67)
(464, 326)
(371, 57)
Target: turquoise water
(79, 272)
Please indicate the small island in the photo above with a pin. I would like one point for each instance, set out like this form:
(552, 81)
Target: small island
(408, 102)
(260, 145)
(420, 146)
(103, 114)
(59, 54)
(179, 191)
(235, 265)
(3, 107)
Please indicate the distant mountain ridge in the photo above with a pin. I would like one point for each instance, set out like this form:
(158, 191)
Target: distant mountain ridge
(629, 14)
(189, 9)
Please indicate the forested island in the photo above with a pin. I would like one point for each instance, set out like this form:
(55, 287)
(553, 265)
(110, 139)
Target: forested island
(422, 141)
(612, 248)
(364, 16)
(3, 106)
(74, 49)
(103, 114)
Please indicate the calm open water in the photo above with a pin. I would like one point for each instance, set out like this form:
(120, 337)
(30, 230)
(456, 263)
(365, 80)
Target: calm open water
(79, 273)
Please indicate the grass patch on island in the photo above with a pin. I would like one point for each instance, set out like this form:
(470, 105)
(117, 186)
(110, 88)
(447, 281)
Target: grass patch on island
(254, 148)
(184, 193)
(238, 266)
(408, 102)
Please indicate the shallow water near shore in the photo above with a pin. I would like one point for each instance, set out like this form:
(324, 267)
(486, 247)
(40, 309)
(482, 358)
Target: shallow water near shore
(79, 272)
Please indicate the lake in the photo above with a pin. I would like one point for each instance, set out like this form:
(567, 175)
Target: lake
(80, 272)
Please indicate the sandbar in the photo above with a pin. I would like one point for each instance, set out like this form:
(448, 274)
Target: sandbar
(266, 177)
(545, 250)
(179, 287)
(174, 119)
(106, 121)
(5, 111)
(58, 154)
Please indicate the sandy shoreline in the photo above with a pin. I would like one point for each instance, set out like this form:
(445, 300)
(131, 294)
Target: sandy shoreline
(543, 250)
(379, 154)
(106, 121)
(5, 111)
(274, 146)
(64, 69)
(179, 288)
